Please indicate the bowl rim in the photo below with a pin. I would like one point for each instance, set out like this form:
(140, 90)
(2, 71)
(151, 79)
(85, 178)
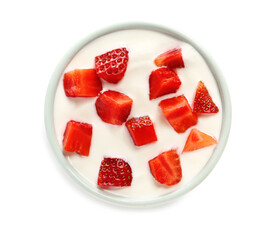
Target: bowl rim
(224, 133)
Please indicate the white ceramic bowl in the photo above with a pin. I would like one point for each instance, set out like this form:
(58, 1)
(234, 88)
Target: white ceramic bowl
(225, 129)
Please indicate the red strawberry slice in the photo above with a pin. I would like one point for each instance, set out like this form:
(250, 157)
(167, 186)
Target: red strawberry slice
(77, 137)
(113, 107)
(203, 102)
(141, 130)
(114, 172)
(163, 81)
(179, 113)
(82, 83)
(166, 168)
(111, 66)
(197, 139)
(171, 59)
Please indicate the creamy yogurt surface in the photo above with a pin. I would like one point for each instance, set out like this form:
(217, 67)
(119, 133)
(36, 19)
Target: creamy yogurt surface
(114, 141)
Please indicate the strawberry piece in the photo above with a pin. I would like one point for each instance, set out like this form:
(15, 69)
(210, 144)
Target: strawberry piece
(82, 83)
(77, 137)
(114, 172)
(179, 113)
(197, 139)
(111, 66)
(113, 107)
(171, 59)
(163, 81)
(166, 168)
(141, 130)
(203, 102)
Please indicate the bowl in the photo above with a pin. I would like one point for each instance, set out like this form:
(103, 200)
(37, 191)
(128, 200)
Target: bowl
(93, 190)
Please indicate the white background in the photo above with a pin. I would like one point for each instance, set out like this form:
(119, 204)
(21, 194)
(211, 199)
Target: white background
(39, 201)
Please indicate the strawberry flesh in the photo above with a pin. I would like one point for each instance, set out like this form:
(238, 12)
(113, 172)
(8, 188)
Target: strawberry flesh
(82, 83)
(113, 107)
(171, 59)
(178, 113)
(166, 168)
(197, 139)
(163, 81)
(111, 66)
(141, 130)
(77, 137)
(203, 102)
(114, 172)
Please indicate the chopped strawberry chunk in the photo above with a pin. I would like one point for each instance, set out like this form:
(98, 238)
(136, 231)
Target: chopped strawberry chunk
(82, 83)
(163, 81)
(179, 113)
(114, 172)
(166, 168)
(77, 137)
(171, 59)
(203, 102)
(111, 66)
(141, 130)
(197, 139)
(113, 107)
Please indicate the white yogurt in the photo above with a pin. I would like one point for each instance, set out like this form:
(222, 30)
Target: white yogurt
(115, 141)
